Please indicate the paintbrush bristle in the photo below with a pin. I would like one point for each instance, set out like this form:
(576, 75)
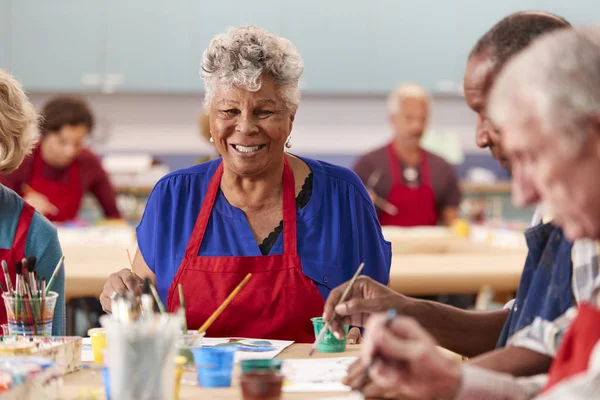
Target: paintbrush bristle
(19, 268)
(30, 264)
(146, 288)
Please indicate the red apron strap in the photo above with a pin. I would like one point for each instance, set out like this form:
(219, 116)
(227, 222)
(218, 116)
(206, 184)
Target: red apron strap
(22, 230)
(199, 230)
(289, 209)
(394, 164)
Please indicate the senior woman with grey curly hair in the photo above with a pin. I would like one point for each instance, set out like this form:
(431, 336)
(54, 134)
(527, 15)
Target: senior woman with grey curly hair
(300, 226)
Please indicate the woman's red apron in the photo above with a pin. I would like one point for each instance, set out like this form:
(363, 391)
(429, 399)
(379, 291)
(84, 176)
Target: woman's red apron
(17, 252)
(278, 301)
(66, 196)
(416, 205)
(574, 353)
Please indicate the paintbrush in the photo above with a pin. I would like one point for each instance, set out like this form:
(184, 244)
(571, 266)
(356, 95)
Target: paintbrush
(182, 308)
(223, 305)
(54, 275)
(159, 303)
(7, 279)
(29, 264)
(43, 297)
(342, 299)
(391, 315)
(379, 201)
(147, 300)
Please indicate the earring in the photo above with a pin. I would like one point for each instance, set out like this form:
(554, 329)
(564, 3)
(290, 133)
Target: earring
(211, 140)
(288, 144)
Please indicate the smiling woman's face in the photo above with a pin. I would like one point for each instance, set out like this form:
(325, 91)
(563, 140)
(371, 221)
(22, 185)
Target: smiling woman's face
(250, 128)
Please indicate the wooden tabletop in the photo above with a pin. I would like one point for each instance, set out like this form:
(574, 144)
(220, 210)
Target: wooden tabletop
(91, 380)
(460, 269)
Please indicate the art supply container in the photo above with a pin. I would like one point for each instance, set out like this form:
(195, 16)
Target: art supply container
(179, 364)
(106, 382)
(261, 365)
(214, 365)
(329, 343)
(185, 344)
(140, 357)
(261, 385)
(30, 316)
(98, 344)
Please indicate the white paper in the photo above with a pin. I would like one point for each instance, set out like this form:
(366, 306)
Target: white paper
(316, 375)
(252, 349)
(87, 355)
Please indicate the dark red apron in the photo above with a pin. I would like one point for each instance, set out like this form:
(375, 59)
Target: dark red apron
(66, 196)
(278, 301)
(416, 205)
(574, 353)
(17, 252)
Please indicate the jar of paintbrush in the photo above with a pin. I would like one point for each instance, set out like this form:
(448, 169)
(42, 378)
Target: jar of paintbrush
(29, 302)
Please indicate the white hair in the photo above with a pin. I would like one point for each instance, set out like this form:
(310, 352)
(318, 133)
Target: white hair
(555, 83)
(18, 124)
(240, 57)
(403, 91)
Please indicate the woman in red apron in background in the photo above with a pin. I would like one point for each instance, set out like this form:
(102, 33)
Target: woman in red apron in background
(61, 170)
(23, 232)
(399, 175)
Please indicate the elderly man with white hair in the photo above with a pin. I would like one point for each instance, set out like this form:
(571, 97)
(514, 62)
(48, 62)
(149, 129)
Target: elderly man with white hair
(546, 107)
(408, 185)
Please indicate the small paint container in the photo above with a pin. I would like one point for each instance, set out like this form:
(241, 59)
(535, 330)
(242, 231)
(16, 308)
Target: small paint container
(98, 344)
(261, 385)
(329, 343)
(261, 365)
(214, 365)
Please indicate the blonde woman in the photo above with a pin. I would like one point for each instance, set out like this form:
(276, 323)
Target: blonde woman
(23, 231)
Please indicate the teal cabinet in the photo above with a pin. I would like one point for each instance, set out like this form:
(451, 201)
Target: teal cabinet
(56, 45)
(150, 46)
(348, 46)
(336, 42)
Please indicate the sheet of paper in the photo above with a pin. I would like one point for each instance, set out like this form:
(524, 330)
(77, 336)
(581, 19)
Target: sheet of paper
(251, 349)
(87, 355)
(316, 375)
(248, 349)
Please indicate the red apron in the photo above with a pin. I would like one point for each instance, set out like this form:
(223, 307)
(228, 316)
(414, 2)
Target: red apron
(574, 353)
(17, 252)
(416, 205)
(277, 303)
(66, 196)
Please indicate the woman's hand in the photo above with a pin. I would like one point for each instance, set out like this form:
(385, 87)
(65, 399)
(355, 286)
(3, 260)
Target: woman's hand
(117, 283)
(408, 361)
(366, 297)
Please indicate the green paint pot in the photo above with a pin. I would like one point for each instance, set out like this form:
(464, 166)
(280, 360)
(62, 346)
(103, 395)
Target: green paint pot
(329, 343)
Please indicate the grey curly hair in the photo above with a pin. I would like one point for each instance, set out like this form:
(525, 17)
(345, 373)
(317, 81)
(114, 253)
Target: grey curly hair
(18, 124)
(241, 56)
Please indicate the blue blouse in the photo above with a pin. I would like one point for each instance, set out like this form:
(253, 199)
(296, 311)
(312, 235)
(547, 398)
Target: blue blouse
(336, 230)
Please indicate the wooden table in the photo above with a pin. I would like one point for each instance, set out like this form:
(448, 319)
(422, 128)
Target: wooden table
(91, 380)
(463, 268)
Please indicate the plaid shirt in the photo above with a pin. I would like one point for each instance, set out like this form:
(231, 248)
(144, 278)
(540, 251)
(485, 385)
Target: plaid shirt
(544, 337)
